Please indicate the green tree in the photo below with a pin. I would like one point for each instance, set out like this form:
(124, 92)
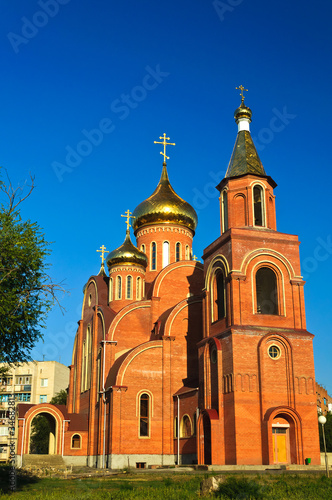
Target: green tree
(26, 290)
(40, 435)
(328, 433)
(60, 398)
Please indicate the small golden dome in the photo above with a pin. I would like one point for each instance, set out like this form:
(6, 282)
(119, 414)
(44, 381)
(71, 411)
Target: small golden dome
(242, 112)
(164, 206)
(127, 253)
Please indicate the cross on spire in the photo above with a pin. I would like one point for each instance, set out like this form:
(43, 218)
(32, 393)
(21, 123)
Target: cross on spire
(102, 251)
(165, 143)
(241, 88)
(128, 216)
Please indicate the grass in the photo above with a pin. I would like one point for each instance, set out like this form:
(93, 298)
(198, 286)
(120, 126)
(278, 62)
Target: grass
(170, 486)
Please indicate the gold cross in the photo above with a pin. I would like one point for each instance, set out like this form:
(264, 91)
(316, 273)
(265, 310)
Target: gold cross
(195, 258)
(102, 251)
(165, 144)
(241, 87)
(128, 217)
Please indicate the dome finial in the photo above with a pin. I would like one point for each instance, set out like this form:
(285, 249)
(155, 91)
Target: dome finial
(128, 216)
(102, 251)
(165, 143)
(241, 87)
(243, 114)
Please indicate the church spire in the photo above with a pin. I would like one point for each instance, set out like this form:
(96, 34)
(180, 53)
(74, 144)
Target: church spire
(244, 159)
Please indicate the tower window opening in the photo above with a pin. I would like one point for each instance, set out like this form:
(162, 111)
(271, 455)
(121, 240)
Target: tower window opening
(266, 291)
(187, 252)
(129, 289)
(118, 287)
(165, 253)
(153, 256)
(110, 296)
(258, 206)
(178, 252)
(224, 211)
(143, 248)
(138, 288)
(144, 410)
(218, 296)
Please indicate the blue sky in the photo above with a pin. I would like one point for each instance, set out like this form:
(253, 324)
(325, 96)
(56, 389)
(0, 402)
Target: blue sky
(88, 85)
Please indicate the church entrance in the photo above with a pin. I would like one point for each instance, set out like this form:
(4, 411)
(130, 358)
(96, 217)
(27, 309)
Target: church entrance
(280, 441)
(43, 435)
(207, 439)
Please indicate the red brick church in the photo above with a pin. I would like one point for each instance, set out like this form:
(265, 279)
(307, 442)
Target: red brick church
(179, 362)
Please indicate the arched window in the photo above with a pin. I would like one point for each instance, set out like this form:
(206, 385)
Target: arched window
(258, 206)
(178, 252)
(153, 256)
(144, 415)
(110, 290)
(194, 424)
(83, 367)
(266, 291)
(218, 296)
(138, 288)
(76, 441)
(88, 358)
(165, 253)
(143, 248)
(187, 252)
(118, 287)
(129, 288)
(185, 427)
(224, 211)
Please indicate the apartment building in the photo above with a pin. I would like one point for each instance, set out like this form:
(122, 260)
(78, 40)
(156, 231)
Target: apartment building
(32, 383)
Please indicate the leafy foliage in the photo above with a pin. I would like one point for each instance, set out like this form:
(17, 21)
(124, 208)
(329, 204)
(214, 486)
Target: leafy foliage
(40, 434)
(328, 433)
(60, 398)
(26, 291)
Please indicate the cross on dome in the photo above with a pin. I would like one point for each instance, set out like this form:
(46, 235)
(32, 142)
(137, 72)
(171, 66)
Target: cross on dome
(128, 216)
(165, 143)
(102, 251)
(241, 88)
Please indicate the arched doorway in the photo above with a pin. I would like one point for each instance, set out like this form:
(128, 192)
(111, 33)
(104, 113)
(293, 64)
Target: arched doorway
(280, 440)
(285, 441)
(43, 435)
(207, 439)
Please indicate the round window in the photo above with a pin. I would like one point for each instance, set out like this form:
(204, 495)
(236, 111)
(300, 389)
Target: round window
(213, 355)
(274, 351)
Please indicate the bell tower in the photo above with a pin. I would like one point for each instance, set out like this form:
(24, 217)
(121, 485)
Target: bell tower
(257, 383)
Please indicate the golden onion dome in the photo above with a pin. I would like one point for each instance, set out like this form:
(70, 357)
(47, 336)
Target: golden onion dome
(242, 112)
(164, 206)
(127, 253)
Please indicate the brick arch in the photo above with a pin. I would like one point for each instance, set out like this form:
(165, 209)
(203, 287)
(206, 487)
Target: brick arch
(206, 452)
(91, 281)
(296, 439)
(52, 410)
(289, 366)
(280, 282)
(162, 274)
(132, 355)
(264, 253)
(124, 311)
(177, 309)
(240, 210)
(212, 269)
